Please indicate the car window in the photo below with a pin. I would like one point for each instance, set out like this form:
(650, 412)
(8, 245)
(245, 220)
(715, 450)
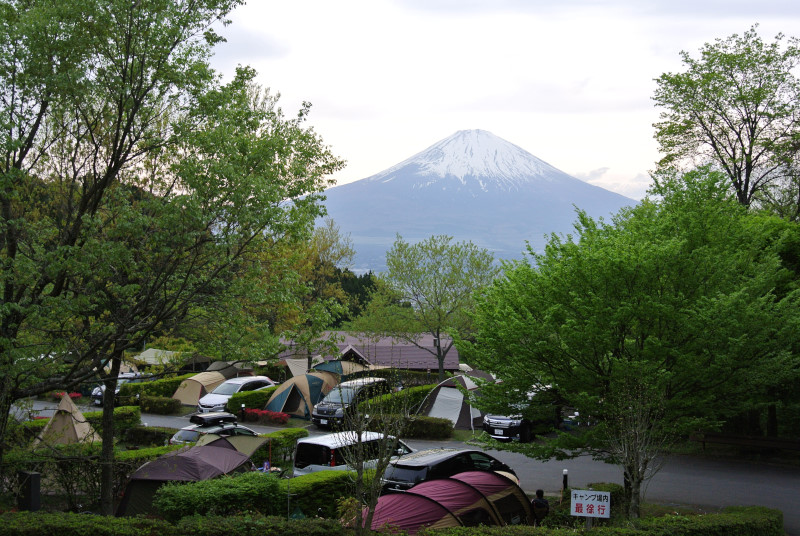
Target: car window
(401, 473)
(226, 388)
(340, 395)
(311, 454)
(186, 435)
(252, 386)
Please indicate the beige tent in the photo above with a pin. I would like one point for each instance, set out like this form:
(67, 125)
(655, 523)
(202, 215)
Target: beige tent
(299, 365)
(191, 390)
(243, 443)
(68, 425)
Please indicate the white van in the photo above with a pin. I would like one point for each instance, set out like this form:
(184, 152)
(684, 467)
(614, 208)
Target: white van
(329, 452)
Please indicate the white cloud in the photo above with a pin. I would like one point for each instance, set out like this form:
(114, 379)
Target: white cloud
(570, 82)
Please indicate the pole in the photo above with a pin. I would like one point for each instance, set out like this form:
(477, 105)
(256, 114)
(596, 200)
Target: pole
(564, 484)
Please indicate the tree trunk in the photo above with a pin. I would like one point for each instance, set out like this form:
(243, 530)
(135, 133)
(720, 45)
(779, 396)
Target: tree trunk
(107, 452)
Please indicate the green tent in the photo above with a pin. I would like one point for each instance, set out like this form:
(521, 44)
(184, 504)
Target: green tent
(297, 396)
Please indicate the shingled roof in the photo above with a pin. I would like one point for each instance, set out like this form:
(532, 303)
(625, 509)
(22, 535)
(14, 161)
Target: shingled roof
(384, 351)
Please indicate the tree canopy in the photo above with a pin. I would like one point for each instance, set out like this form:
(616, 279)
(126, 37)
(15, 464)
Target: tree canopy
(134, 183)
(737, 106)
(652, 326)
(428, 287)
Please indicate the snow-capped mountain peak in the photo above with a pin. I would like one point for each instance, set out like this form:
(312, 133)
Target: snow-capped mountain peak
(473, 155)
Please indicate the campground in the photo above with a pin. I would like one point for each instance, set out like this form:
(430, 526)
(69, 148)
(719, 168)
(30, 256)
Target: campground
(703, 481)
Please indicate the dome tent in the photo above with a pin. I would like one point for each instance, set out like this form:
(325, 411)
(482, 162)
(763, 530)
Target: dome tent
(447, 401)
(191, 390)
(297, 395)
(467, 499)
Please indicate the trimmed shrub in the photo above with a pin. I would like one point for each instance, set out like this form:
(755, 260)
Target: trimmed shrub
(244, 492)
(259, 526)
(264, 416)
(160, 405)
(250, 399)
(164, 387)
(317, 493)
(279, 450)
(125, 418)
(149, 435)
(66, 524)
(421, 427)
(739, 521)
(398, 401)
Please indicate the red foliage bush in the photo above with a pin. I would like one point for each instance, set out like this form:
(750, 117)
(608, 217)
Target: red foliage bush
(74, 396)
(265, 416)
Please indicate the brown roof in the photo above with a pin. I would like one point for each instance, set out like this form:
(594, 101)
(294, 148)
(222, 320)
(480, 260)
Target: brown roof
(386, 351)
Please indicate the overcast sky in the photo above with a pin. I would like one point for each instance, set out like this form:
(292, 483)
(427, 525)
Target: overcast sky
(569, 81)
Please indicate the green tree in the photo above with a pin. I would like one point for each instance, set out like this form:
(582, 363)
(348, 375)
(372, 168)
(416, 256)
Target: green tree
(134, 185)
(428, 287)
(646, 326)
(737, 106)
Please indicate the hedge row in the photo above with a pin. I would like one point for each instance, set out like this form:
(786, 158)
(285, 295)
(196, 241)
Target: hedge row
(250, 399)
(74, 470)
(734, 521)
(164, 387)
(160, 405)
(280, 448)
(36, 523)
(245, 492)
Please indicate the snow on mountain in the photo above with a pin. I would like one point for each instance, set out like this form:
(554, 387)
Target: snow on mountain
(472, 186)
(474, 155)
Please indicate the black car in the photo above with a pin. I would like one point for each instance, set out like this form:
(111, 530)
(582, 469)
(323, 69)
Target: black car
(430, 464)
(331, 410)
(503, 427)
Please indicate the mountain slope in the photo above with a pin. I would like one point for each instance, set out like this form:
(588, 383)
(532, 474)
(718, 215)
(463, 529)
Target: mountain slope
(473, 186)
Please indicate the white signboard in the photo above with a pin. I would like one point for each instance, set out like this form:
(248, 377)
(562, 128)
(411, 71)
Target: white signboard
(587, 503)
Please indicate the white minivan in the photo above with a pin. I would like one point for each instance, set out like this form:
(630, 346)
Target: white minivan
(330, 451)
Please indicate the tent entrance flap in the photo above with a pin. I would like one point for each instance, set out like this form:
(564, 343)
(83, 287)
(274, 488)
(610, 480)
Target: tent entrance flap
(447, 404)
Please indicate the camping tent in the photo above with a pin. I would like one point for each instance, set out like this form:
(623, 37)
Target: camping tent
(230, 369)
(189, 464)
(447, 401)
(299, 365)
(67, 425)
(191, 390)
(344, 369)
(471, 498)
(297, 396)
(243, 443)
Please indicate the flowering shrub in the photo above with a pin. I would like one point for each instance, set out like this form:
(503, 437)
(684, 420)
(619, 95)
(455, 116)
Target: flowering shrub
(265, 416)
(58, 394)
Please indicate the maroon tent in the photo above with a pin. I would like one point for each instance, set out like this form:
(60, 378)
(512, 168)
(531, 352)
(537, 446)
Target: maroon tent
(189, 464)
(471, 498)
(408, 512)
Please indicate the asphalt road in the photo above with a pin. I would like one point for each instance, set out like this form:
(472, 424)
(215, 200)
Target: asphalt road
(683, 480)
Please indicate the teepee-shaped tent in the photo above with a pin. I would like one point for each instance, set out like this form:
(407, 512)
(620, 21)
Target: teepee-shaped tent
(68, 425)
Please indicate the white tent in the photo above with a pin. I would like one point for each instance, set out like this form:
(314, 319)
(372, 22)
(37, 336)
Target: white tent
(447, 401)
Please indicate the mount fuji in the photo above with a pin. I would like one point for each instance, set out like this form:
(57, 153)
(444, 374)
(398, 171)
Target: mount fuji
(472, 186)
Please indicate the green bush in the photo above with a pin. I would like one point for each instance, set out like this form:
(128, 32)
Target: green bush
(317, 493)
(125, 418)
(738, 521)
(421, 427)
(160, 405)
(279, 450)
(250, 399)
(149, 435)
(164, 387)
(245, 492)
(396, 402)
(65, 524)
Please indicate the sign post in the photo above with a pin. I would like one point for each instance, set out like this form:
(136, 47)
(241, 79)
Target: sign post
(590, 504)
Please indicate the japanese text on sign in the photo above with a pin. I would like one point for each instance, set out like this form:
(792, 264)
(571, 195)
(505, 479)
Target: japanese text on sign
(588, 503)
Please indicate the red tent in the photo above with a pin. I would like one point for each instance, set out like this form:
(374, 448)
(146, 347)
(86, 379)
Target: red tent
(471, 498)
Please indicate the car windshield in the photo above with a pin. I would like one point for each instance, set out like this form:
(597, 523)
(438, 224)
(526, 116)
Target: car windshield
(340, 395)
(226, 388)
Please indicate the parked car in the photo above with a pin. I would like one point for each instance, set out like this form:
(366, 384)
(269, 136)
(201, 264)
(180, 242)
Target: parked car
(333, 451)
(504, 427)
(330, 411)
(125, 377)
(430, 464)
(216, 399)
(220, 423)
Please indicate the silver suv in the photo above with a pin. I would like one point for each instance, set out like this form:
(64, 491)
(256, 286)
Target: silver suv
(220, 423)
